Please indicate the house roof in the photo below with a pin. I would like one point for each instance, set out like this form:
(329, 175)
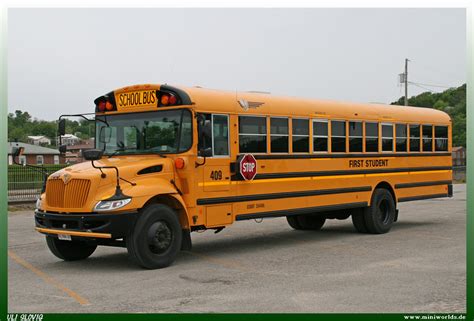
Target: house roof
(457, 148)
(38, 137)
(32, 149)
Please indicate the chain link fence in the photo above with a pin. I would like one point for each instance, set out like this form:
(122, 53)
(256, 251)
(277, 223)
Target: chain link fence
(25, 183)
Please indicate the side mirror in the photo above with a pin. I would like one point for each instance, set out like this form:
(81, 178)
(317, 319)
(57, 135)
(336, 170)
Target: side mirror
(17, 151)
(62, 149)
(62, 127)
(92, 154)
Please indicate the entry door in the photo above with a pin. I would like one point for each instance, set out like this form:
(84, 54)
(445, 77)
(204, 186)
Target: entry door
(217, 169)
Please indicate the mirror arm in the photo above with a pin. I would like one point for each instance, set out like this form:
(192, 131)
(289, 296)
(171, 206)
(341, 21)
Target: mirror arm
(196, 164)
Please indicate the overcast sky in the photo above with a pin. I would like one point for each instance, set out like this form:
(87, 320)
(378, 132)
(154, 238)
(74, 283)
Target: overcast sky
(60, 60)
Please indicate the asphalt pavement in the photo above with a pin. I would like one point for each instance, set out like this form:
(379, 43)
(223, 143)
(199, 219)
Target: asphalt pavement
(419, 266)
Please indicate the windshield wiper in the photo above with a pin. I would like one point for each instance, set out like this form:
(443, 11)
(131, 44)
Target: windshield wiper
(116, 152)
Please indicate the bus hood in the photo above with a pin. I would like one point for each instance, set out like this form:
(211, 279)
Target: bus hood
(78, 187)
(129, 167)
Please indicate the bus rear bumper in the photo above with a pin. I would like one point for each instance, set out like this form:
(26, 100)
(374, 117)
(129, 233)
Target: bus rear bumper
(89, 225)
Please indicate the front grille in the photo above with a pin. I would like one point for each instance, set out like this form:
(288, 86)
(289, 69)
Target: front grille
(71, 195)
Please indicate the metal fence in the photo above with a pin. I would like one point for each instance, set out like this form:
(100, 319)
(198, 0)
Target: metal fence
(25, 183)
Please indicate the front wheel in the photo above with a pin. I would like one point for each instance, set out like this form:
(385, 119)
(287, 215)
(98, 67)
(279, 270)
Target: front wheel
(156, 238)
(70, 250)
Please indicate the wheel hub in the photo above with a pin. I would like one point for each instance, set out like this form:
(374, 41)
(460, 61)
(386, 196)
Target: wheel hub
(160, 237)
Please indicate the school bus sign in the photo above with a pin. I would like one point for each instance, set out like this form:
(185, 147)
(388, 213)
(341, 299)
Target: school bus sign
(248, 167)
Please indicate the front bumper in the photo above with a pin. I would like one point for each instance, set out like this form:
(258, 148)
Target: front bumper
(90, 225)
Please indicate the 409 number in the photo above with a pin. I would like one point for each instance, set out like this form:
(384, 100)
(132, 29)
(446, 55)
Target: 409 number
(216, 175)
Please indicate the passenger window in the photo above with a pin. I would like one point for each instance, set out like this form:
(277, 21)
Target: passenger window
(387, 137)
(279, 135)
(355, 136)
(320, 135)
(252, 134)
(338, 136)
(300, 135)
(427, 138)
(401, 134)
(441, 138)
(205, 141)
(220, 135)
(371, 137)
(414, 138)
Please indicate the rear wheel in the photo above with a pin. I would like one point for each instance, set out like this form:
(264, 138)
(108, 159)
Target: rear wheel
(306, 222)
(156, 238)
(358, 220)
(70, 250)
(380, 215)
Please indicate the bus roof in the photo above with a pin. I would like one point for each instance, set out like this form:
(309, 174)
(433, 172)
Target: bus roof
(254, 103)
(265, 104)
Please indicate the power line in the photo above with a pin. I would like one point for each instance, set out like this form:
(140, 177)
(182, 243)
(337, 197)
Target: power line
(415, 84)
(429, 85)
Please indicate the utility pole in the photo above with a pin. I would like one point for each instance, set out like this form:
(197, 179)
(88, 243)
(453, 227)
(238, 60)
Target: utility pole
(406, 81)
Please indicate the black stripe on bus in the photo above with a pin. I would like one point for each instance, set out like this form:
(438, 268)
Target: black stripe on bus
(236, 177)
(261, 197)
(353, 155)
(300, 211)
(421, 197)
(420, 184)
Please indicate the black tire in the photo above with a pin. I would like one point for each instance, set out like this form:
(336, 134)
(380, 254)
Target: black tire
(70, 250)
(380, 215)
(293, 222)
(306, 222)
(311, 222)
(358, 220)
(156, 238)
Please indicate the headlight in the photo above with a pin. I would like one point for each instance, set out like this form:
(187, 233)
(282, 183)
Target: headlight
(38, 204)
(111, 205)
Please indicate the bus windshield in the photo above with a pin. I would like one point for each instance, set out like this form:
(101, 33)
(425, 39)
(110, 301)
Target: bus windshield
(162, 132)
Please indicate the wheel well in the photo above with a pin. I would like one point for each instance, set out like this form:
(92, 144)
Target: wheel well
(388, 187)
(172, 202)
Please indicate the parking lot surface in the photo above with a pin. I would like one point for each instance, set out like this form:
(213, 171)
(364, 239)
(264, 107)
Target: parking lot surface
(419, 266)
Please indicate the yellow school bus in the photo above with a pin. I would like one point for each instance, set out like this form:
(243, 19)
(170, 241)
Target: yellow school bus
(172, 160)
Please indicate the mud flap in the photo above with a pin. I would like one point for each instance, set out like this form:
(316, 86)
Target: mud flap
(186, 244)
(396, 215)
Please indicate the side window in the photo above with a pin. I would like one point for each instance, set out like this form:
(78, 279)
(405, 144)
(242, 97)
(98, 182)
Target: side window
(401, 134)
(220, 135)
(414, 138)
(338, 136)
(215, 138)
(371, 137)
(441, 138)
(252, 134)
(56, 159)
(300, 135)
(279, 135)
(387, 137)
(427, 138)
(205, 140)
(355, 136)
(320, 135)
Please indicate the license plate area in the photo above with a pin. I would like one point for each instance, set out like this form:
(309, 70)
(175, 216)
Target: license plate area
(64, 237)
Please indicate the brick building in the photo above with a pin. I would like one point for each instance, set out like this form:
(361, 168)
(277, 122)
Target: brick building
(35, 155)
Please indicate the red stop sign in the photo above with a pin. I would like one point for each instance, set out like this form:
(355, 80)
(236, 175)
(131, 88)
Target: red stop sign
(248, 167)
